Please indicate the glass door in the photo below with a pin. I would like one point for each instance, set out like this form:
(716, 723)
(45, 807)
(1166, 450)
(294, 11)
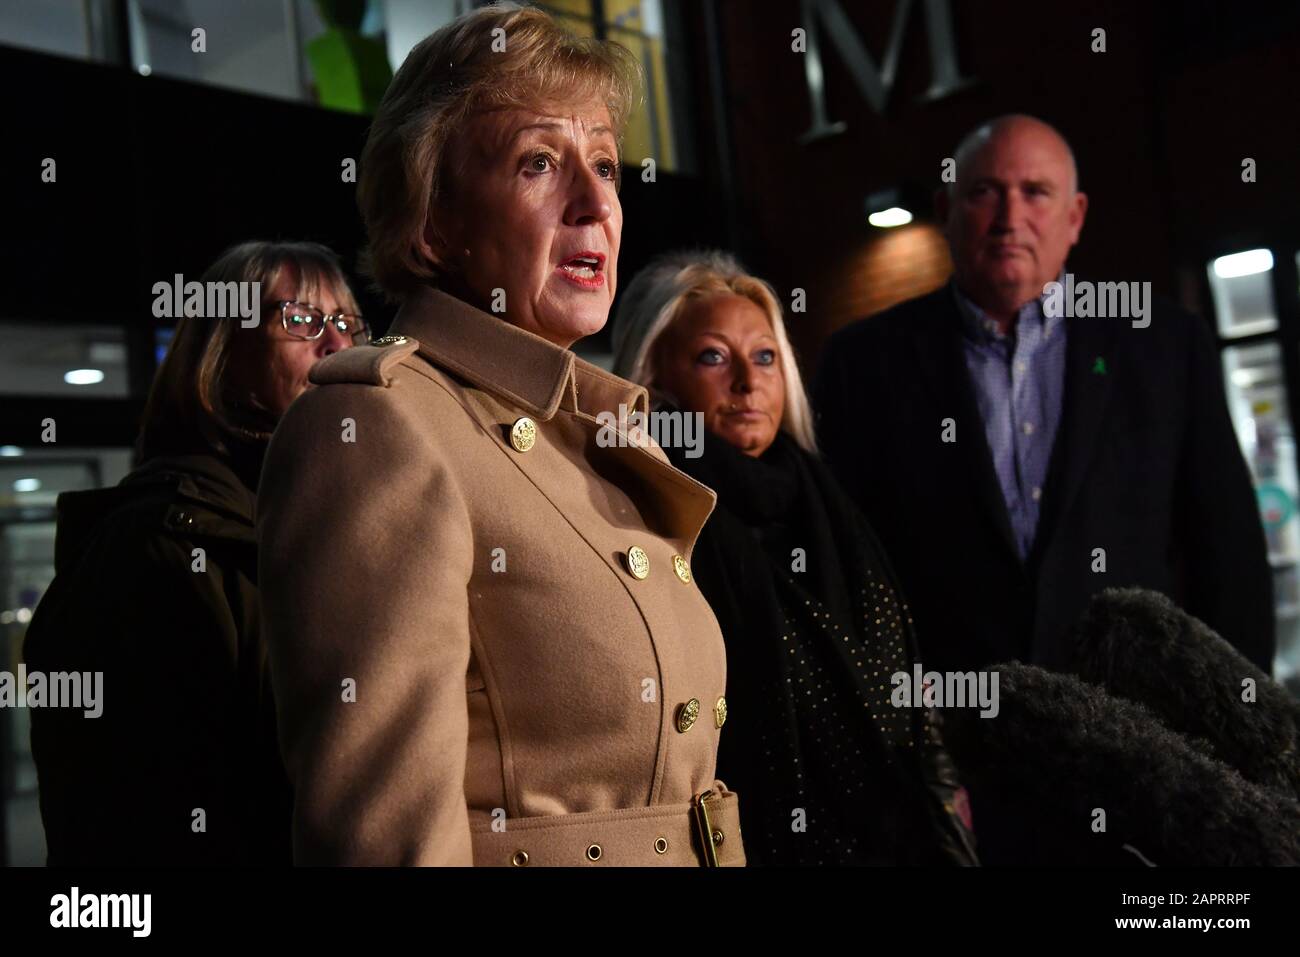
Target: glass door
(1255, 379)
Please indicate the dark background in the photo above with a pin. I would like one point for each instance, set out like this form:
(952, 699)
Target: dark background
(1159, 124)
(156, 176)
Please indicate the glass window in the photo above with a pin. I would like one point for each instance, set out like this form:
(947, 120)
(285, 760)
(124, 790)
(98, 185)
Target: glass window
(345, 58)
(51, 26)
(638, 25)
(407, 22)
(30, 482)
(68, 361)
(1257, 401)
(247, 44)
(282, 48)
(1242, 286)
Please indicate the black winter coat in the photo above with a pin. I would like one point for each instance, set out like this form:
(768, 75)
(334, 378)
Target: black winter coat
(182, 766)
(815, 626)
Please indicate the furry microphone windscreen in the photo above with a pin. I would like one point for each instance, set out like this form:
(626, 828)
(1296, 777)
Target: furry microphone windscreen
(1139, 645)
(1061, 750)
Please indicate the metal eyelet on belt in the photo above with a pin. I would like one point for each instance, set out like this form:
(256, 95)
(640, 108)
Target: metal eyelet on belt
(520, 859)
(594, 852)
(661, 845)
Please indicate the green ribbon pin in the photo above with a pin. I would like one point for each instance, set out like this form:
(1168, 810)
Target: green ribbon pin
(1099, 367)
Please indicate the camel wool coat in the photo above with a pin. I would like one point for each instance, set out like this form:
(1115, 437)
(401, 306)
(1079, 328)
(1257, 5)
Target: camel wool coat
(485, 643)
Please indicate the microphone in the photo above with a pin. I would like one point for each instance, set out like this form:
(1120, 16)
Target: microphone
(1080, 777)
(1139, 645)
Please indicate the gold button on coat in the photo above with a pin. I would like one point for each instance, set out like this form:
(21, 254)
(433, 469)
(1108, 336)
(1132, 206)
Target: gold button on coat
(682, 569)
(523, 434)
(638, 562)
(686, 715)
(720, 712)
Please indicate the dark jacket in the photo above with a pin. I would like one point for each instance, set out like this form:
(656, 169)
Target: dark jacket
(187, 722)
(1145, 467)
(815, 627)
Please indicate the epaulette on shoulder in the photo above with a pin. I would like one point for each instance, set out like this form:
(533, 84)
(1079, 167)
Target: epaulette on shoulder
(370, 364)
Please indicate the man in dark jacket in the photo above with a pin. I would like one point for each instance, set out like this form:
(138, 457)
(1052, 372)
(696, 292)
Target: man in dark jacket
(1014, 460)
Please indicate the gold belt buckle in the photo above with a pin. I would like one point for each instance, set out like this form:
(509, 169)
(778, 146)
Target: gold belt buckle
(704, 827)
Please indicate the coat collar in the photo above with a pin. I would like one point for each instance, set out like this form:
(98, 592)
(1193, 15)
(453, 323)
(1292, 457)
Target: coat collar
(510, 363)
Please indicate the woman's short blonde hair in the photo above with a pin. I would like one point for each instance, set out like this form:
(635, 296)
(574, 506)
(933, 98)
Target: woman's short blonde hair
(497, 57)
(662, 291)
(191, 407)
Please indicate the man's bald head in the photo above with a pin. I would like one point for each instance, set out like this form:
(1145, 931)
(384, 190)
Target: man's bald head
(1013, 214)
(1014, 126)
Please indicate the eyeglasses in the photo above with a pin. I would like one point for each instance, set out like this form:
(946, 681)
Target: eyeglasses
(302, 320)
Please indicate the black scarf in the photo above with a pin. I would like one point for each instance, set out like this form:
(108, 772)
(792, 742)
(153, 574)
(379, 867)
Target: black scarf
(814, 627)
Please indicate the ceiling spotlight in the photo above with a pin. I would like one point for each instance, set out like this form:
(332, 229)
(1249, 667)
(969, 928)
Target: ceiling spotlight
(83, 377)
(27, 485)
(1243, 264)
(893, 216)
(888, 208)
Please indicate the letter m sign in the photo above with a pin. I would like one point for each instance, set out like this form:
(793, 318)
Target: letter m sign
(875, 83)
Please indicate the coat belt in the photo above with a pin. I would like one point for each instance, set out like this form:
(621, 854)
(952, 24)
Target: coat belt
(660, 836)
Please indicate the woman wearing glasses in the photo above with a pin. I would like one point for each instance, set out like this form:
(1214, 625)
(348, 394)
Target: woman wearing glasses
(491, 650)
(156, 588)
